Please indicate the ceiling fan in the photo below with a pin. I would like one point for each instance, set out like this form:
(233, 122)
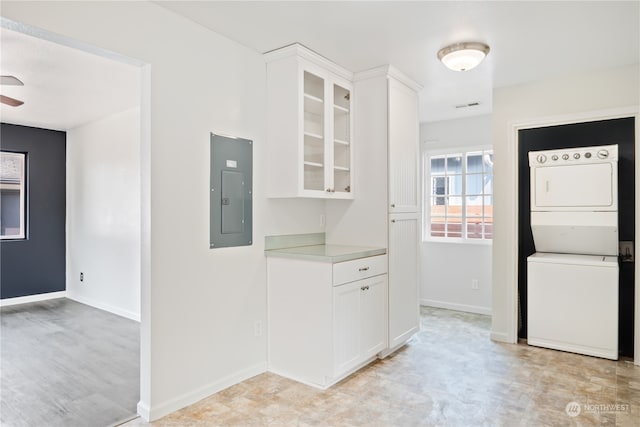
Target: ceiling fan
(10, 81)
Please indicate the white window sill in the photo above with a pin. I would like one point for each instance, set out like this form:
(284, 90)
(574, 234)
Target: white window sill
(456, 241)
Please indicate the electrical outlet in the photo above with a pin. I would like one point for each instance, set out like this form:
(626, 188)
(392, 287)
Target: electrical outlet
(257, 328)
(626, 251)
(81, 276)
(474, 284)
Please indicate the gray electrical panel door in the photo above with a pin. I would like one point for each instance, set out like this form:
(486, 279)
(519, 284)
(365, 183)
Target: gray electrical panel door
(231, 217)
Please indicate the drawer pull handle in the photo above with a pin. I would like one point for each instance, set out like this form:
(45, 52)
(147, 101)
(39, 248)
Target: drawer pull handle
(364, 288)
(363, 269)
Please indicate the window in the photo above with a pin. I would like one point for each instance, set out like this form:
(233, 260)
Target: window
(459, 195)
(12, 197)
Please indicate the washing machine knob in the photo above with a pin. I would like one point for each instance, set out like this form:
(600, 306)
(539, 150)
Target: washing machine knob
(576, 156)
(587, 155)
(554, 157)
(565, 157)
(541, 158)
(603, 154)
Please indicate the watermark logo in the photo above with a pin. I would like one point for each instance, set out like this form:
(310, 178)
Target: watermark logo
(573, 409)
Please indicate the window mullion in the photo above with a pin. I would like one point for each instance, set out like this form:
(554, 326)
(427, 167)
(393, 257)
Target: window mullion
(446, 200)
(464, 196)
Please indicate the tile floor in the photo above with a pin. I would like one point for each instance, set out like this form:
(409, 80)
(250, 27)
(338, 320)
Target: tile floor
(450, 374)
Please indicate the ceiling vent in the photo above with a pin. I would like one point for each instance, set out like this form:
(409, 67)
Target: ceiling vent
(471, 104)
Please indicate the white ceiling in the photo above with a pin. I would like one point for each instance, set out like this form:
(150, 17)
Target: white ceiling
(530, 40)
(64, 87)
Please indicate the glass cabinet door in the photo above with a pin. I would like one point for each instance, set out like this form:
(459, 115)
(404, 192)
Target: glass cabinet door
(314, 147)
(341, 139)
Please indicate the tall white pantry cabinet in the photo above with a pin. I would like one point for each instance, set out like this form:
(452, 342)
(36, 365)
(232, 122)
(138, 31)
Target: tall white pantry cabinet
(385, 211)
(393, 99)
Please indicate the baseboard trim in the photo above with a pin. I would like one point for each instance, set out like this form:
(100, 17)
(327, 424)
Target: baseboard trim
(179, 402)
(457, 307)
(501, 337)
(143, 411)
(106, 307)
(32, 298)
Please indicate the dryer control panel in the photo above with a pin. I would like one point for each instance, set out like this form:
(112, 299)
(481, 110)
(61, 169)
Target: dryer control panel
(566, 156)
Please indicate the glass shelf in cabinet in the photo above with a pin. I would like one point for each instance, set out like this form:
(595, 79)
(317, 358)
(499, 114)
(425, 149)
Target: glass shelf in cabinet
(313, 135)
(313, 105)
(340, 109)
(313, 164)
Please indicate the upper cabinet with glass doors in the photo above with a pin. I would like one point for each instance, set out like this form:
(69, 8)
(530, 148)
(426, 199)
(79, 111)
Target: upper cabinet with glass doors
(309, 126)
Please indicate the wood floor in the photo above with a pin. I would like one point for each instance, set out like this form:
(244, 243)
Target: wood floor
(450, 374)
(63, 363)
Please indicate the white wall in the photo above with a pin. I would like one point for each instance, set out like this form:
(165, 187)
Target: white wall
(199, 305)
(447, 269)
(103, 213)
(548, 101)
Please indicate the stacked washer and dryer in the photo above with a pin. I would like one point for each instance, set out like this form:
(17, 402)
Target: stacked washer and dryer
(572, 279)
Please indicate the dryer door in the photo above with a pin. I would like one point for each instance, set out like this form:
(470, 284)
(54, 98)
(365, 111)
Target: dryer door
(574, 187)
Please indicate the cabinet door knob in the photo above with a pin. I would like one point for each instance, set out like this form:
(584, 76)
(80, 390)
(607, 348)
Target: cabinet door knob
(328, 190)
(363, 269)
(393, 220)
(393, 205)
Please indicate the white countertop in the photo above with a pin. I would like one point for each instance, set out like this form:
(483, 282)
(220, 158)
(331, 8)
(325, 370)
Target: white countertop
(326, 253)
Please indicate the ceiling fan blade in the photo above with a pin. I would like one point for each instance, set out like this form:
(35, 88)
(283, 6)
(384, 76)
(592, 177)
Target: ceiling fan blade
(10, 80)
(10, 101)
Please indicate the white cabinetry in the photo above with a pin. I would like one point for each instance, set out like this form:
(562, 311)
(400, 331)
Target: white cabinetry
(403, 147)
(360, 328)
(404, 306)
(321, 328)
(404, 152)
(386, 211)
(309, 125)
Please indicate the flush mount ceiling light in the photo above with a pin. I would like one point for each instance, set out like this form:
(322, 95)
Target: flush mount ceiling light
(463, 56)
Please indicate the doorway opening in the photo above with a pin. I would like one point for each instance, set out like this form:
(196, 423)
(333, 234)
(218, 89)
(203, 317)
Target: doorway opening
(106, 150)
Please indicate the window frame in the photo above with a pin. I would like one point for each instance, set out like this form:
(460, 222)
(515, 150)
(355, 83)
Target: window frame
(22, 234)
(427, 177)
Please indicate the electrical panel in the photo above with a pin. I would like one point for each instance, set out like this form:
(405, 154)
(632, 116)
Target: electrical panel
(231, 195)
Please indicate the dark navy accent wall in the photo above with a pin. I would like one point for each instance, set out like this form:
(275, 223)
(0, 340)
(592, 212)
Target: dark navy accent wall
(605, 132)
(36, 265)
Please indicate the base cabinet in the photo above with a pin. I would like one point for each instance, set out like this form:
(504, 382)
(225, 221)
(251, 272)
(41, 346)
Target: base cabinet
(359, 322)
(325, 320)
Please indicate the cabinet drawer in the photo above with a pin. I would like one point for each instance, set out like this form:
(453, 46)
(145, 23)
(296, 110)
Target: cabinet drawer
(348, 271)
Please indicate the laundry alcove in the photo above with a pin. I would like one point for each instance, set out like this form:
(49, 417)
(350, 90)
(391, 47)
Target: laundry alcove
(604, 132)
